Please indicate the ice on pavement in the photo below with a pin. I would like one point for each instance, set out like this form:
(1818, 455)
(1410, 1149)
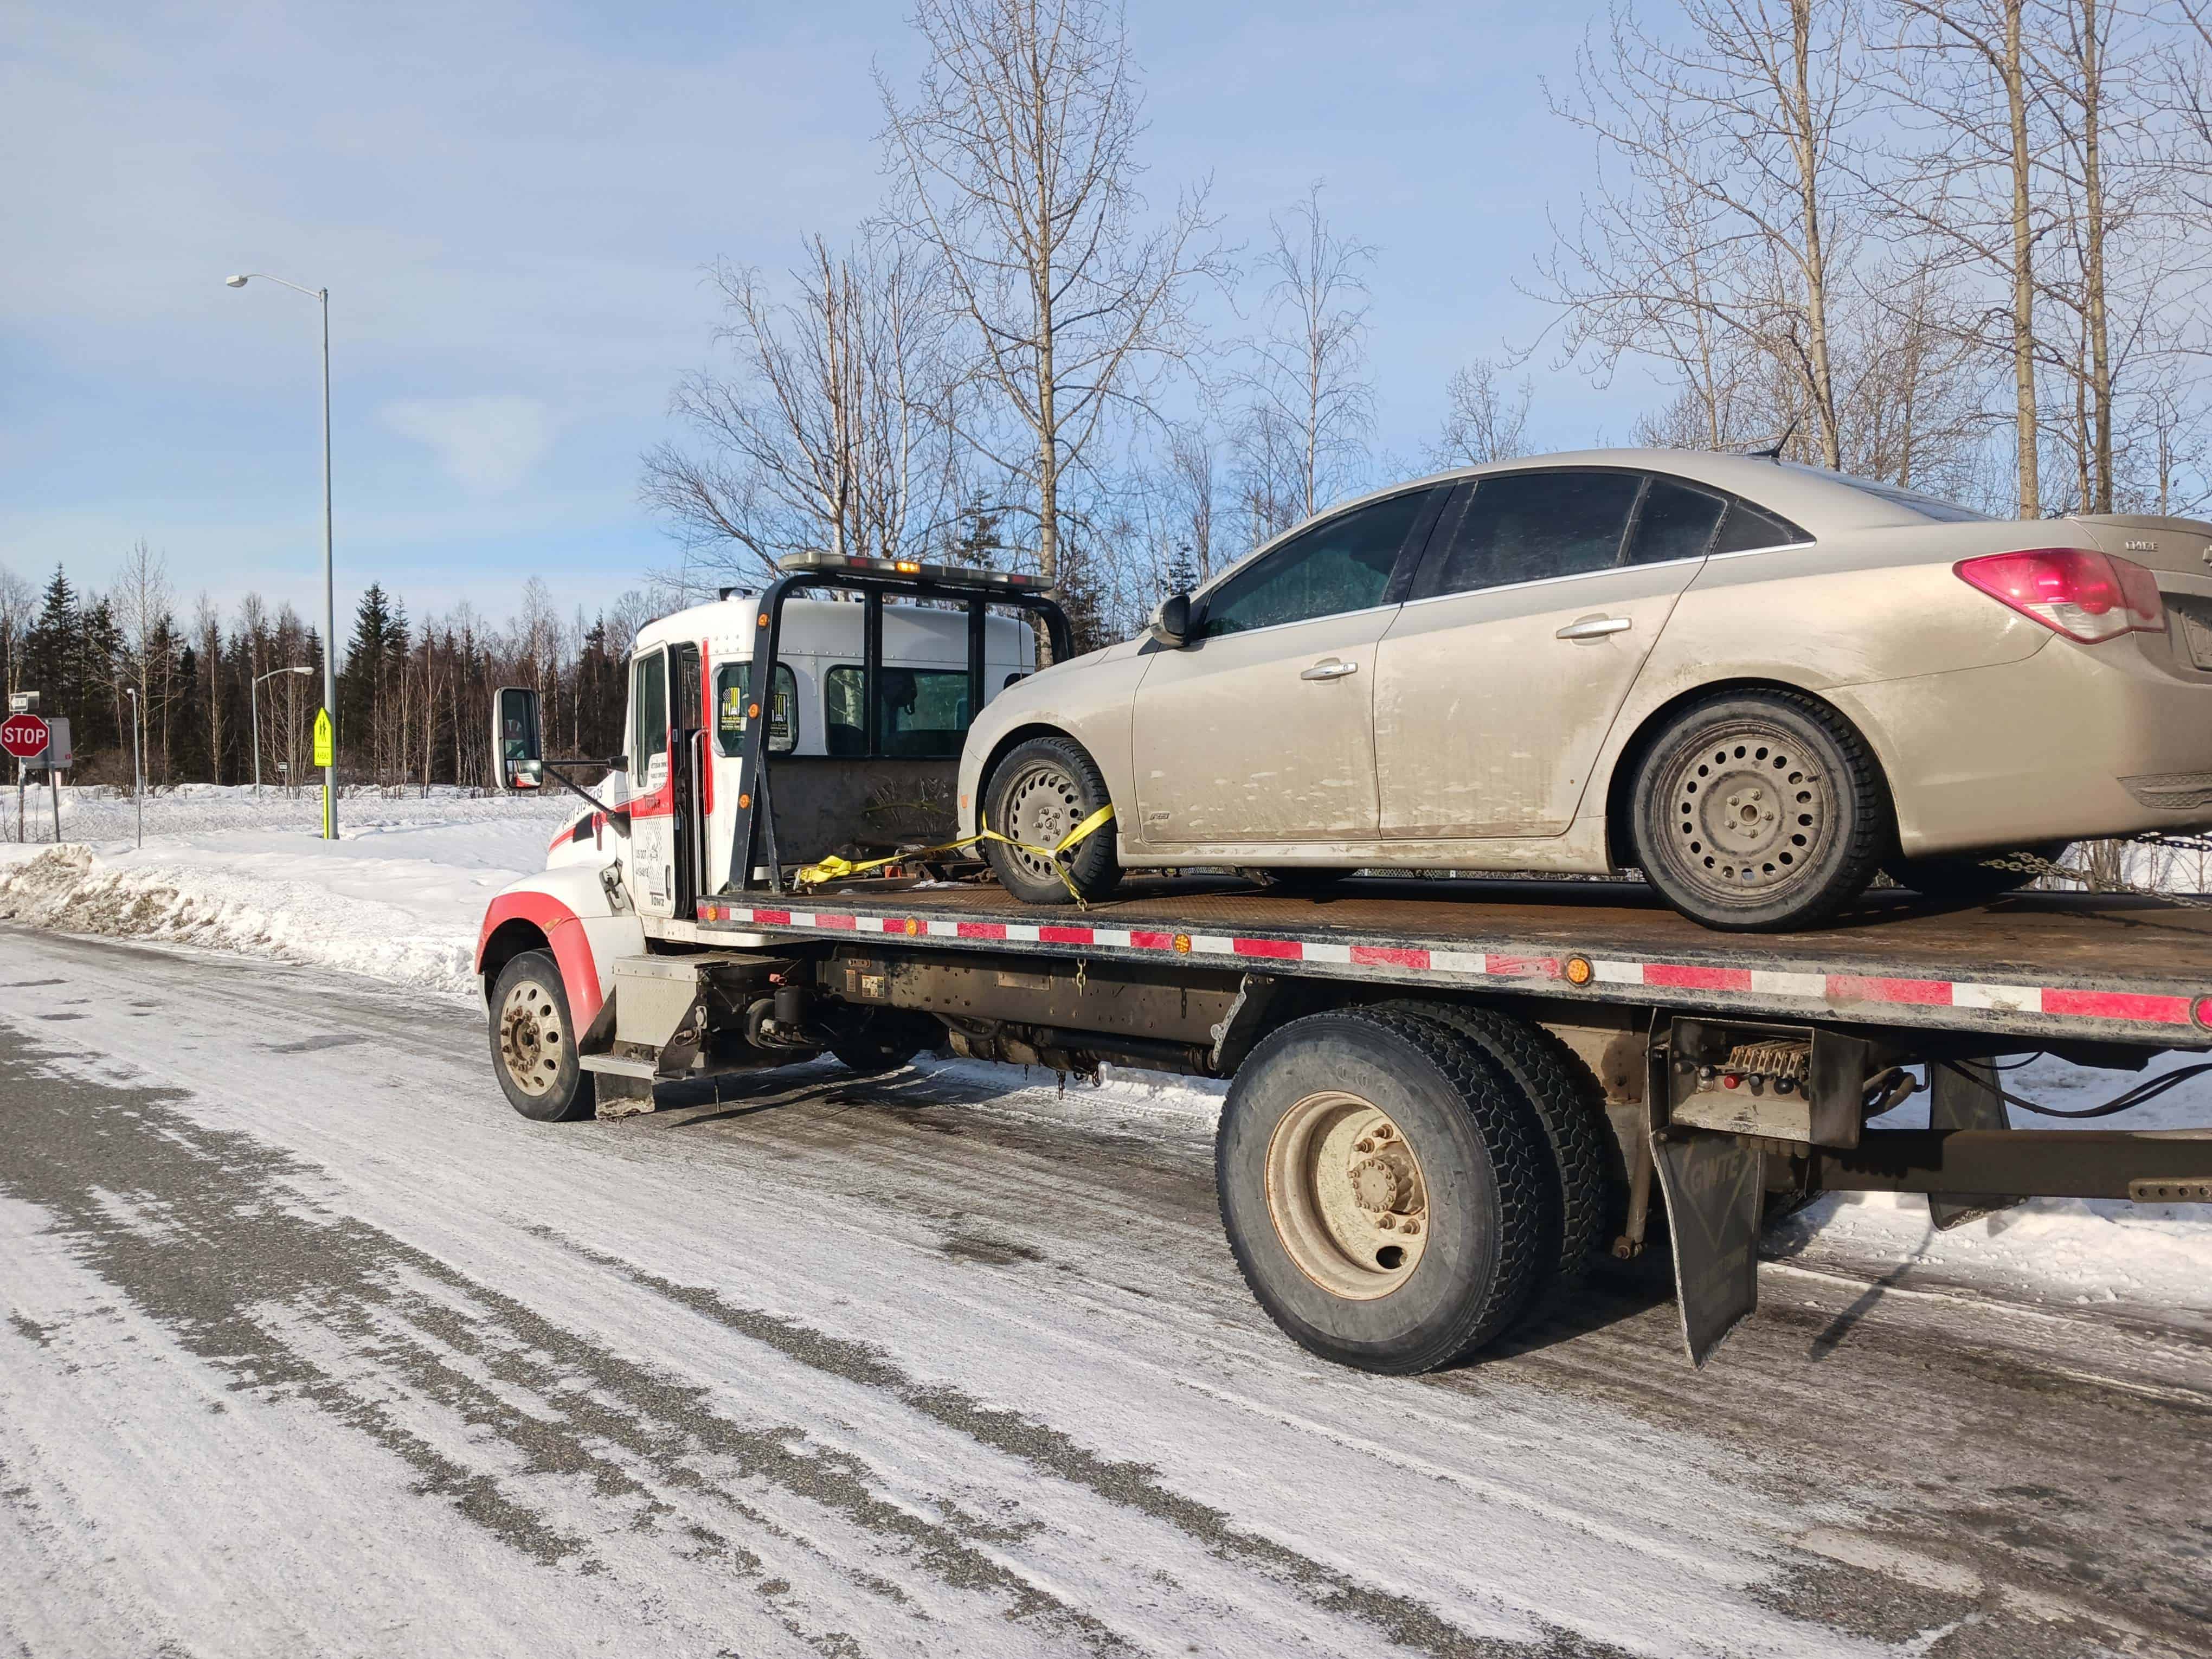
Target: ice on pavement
(401, 895)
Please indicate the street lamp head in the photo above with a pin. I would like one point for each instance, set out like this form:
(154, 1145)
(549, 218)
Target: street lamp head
(233, 281)
(300, 671)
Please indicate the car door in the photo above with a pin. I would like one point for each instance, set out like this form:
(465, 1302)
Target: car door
(1260, 729)
(1542, 594)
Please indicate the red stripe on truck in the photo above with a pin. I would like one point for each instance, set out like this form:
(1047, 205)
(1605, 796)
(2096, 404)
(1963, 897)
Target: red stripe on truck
(2118, 1005)
(1684, 977)
(1853, 987)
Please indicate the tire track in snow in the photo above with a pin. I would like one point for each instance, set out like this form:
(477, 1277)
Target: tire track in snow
(194, 1225)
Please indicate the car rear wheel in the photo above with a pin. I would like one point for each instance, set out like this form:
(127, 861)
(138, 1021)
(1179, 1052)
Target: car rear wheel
(1971, 876)
(1038, 795)
(1760, 812)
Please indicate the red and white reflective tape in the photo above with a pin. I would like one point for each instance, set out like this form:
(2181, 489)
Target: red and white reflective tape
(1832, 993)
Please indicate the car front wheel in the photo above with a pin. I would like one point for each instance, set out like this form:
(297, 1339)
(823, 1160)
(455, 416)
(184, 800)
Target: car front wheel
(1760, 812)
(1039, 795)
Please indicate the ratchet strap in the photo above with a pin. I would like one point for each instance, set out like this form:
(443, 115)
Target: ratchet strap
(837, 869)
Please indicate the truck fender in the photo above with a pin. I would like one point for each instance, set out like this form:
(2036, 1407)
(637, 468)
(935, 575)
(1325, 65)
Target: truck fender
(566, 910)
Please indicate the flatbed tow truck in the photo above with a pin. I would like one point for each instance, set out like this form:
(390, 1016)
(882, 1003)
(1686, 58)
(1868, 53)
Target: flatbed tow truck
(1446, 1096)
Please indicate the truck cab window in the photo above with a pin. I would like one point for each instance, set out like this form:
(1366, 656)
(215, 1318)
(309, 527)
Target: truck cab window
(648, 703)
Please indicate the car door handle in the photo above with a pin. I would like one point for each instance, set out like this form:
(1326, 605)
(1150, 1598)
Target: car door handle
(1595, 628)
(1330, 668)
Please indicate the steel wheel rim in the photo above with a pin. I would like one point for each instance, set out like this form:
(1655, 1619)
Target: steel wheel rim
(529, 1037)
(1346, 1196)
(1043, 805)
(1749, 812)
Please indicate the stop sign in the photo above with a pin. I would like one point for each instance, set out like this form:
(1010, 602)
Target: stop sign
(24, 736)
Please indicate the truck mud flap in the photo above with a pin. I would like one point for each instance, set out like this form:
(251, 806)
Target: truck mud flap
(1964, 1096)
(1716, 1191)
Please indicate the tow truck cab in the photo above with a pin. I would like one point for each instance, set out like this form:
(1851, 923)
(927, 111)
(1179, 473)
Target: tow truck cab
(873, 691)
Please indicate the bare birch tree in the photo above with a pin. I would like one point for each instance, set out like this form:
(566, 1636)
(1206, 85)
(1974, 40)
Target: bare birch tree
(1308, 376)
(831, 433)
(1736, 215)
(1965, 80)
(1015, 160)
(1485, 419)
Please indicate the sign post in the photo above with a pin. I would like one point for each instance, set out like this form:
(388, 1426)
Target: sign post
(35, 741)
(325, 757)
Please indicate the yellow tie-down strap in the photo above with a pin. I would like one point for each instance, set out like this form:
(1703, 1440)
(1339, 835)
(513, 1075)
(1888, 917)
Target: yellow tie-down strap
(837, 869)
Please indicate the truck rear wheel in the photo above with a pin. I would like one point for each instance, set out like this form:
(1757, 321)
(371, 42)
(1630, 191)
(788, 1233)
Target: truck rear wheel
(1568, 1110)
(1384, 1195)
(533, 1043)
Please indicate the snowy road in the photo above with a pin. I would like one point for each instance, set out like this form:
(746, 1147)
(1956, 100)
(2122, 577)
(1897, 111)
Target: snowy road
(312, 1345)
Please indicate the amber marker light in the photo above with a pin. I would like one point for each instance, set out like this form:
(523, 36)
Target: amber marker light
(1578, 970)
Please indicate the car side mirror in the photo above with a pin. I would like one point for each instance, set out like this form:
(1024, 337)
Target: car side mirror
(1171, 624)
(619, 764)
(518, 762)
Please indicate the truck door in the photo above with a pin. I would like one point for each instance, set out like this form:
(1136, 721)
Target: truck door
(651, 807)
(687, 722)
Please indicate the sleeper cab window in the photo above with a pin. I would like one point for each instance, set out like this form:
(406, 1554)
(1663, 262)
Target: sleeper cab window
(733, 696)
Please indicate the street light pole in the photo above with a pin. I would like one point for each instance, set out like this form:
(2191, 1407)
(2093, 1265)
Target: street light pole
(137, 765)
(321, 297)
(254, 697)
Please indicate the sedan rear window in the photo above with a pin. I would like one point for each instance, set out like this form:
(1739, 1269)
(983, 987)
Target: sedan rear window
(1676, 523)
(1527, 527)
(1928, 506)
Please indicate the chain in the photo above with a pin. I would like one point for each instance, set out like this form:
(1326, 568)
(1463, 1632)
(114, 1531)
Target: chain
(2029, 864)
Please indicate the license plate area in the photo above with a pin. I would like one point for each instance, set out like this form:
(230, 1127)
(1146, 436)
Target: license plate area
(2196, 617)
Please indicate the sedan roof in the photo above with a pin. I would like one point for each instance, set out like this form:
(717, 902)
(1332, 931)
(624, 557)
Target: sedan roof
(1822, 502)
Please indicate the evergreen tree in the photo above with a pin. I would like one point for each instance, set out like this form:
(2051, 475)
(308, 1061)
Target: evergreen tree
(50, 651)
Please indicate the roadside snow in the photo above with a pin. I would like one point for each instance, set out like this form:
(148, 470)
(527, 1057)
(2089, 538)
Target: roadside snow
(401, 896)
(398, 896)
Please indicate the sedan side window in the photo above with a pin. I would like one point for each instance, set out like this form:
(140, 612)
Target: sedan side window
(1676, 522)
(1341, 565)
(1527, 527)
(1747, 527)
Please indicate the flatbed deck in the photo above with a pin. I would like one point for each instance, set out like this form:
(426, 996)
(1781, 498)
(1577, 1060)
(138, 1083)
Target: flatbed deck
(2044, 966)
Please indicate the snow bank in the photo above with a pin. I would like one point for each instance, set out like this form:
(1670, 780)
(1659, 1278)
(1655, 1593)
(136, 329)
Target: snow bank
(401, 897)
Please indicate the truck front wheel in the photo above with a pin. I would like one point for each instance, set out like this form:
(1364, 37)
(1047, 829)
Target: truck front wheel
(1385, 1196)
(533, 1043)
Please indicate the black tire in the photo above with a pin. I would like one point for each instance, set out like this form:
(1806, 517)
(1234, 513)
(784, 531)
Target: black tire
(884, 1041)
(534, 1041)
(1482, 1170)
(1966, 877)
(1298, 880)
(1039, 792)
(1758, 812)
(1567, 1108)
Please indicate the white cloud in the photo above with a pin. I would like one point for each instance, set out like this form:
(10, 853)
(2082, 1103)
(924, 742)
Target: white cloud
(489, 444)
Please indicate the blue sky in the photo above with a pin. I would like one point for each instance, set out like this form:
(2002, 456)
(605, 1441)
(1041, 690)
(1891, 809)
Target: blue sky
(512, 205)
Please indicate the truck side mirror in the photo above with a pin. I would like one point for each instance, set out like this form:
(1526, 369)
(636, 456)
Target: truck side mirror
(518, 761)
(1171, 624)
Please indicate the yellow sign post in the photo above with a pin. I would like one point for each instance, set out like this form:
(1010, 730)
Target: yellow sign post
(325, 752)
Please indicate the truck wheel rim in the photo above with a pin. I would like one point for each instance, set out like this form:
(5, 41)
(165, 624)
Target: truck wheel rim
(1043, 805)
(1748, 812)
(529, 1037)
(1345, 1193)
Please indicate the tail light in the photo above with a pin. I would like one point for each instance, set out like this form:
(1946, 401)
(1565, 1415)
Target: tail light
(2075, 591)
